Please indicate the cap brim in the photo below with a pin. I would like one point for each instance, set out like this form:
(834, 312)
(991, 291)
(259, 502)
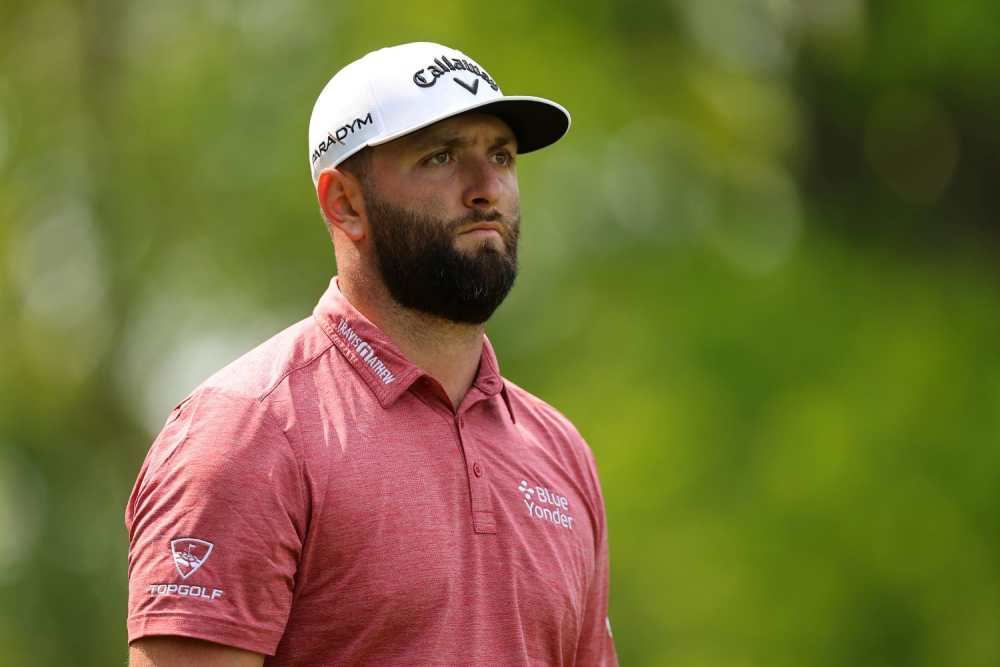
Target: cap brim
(535, 121)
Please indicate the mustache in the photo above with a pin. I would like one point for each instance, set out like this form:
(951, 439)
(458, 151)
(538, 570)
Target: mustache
(479, 215)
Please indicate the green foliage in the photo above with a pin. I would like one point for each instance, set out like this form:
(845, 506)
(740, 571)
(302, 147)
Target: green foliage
(759, 274)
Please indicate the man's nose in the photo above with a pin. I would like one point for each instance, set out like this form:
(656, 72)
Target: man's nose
(484, 189)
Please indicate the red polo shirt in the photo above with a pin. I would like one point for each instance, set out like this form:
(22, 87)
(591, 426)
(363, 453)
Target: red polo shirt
(320, 501)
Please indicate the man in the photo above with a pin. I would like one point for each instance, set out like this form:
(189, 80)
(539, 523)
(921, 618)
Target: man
(365, 488)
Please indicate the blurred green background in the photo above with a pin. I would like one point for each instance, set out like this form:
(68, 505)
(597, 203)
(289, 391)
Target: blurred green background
(760, 274)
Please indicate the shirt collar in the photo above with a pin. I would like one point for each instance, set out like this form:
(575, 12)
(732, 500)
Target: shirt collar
(489, 380)
(379, 362)
(375, 358)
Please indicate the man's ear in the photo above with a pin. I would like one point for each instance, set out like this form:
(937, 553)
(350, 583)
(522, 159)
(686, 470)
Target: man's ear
(339, 194)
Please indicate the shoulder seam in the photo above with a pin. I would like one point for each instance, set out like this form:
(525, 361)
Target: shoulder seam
(545, 405)
(278, 382)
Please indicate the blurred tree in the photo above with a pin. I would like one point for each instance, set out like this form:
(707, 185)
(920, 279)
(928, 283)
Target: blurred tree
(759, 273)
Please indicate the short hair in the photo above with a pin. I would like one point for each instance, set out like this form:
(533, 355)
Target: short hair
(359, 165)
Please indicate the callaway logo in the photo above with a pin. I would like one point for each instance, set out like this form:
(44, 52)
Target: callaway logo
(365, 351)
(442, 65)
(189, 554)
(537, 496)
(338, 135)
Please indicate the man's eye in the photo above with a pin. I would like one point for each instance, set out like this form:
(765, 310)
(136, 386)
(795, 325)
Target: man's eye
(503, 158)
(439, 158)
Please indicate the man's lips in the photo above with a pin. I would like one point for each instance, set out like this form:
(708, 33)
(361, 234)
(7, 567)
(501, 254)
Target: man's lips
(483, 229)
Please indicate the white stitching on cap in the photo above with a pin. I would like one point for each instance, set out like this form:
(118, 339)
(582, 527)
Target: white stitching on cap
(376, 105)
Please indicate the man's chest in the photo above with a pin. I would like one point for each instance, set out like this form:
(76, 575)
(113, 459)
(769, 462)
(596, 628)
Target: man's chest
(464, 518)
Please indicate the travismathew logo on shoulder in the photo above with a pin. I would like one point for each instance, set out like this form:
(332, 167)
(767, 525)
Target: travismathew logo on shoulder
(365, 351)
(442, 65)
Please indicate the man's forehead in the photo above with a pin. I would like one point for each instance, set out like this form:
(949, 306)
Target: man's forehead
(466, 129)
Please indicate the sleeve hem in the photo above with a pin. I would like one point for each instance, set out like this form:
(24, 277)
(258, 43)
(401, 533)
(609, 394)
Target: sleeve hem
(259, 639)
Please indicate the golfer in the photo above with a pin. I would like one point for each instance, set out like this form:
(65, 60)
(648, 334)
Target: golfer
(365, 488)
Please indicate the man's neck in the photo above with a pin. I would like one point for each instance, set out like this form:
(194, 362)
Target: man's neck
(446, 351)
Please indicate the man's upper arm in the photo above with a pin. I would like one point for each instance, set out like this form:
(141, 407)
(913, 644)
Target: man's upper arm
(215, 524)
(185, 652)
(596, 645)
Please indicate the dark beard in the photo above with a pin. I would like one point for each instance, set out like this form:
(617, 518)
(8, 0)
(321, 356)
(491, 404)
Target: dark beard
(423, 271)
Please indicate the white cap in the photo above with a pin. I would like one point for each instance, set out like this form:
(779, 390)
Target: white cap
(398, 90)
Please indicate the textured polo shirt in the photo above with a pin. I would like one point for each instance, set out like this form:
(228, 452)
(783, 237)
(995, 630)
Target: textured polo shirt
(321, 501)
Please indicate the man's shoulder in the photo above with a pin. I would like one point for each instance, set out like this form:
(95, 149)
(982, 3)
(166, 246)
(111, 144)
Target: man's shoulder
(533, 412)
(234, 412)
(544, 426)
(255, 375)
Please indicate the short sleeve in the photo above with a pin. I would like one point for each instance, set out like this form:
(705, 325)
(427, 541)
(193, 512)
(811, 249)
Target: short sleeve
(596, 646)
(216, 522)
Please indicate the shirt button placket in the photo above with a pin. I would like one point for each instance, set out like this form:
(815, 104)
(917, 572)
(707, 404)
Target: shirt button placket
(482, 507)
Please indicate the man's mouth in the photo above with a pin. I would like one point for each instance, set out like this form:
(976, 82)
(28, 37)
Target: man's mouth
(483, 230)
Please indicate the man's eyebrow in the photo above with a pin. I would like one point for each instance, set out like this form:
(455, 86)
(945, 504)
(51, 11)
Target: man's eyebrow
(505, 140)
(457, 141)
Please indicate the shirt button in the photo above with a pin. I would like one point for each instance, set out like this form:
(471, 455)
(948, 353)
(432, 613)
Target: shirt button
(478, 470)
(461, 422)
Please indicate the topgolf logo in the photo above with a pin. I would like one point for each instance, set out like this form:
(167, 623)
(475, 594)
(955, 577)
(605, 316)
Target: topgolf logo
(189, 554)
(545, 505)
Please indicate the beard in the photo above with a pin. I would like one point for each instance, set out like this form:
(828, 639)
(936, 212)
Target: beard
(423, 271)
